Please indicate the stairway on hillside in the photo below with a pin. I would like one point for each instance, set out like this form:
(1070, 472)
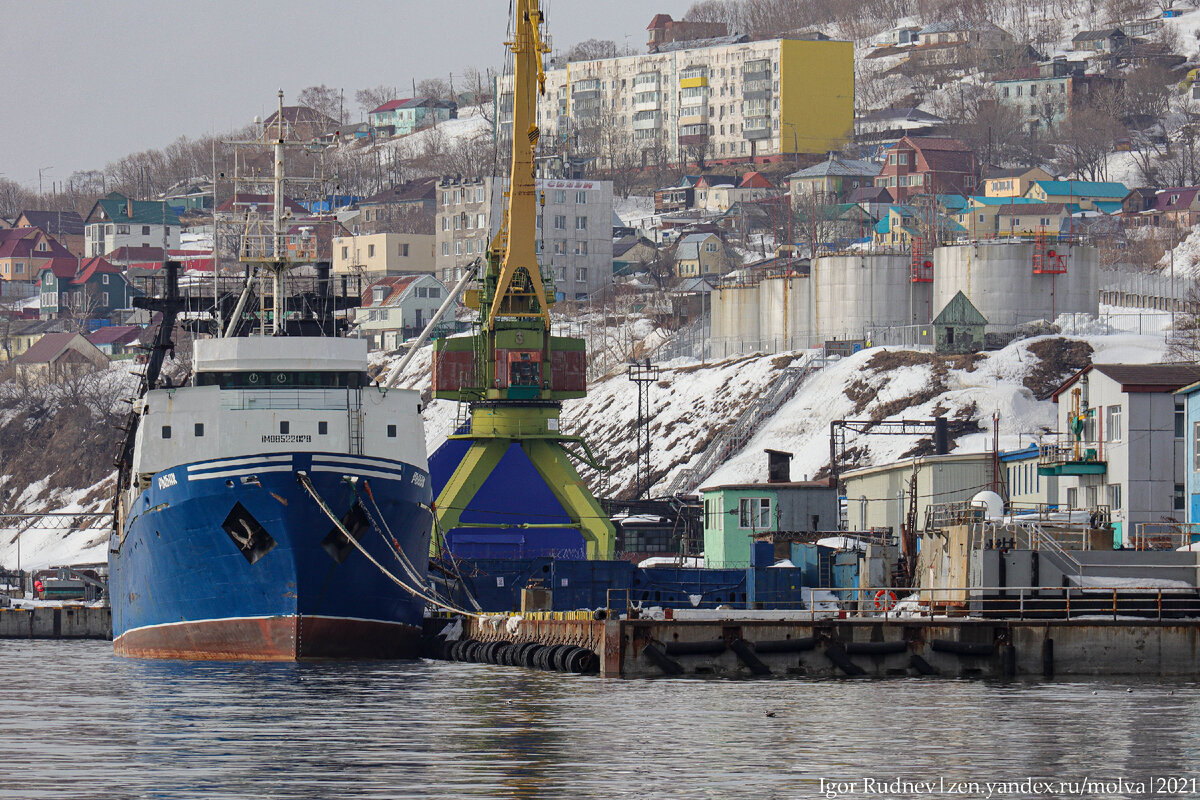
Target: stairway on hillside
(731, 441)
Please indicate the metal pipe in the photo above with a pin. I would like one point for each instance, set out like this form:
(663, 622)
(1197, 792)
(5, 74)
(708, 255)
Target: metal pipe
(451, 298)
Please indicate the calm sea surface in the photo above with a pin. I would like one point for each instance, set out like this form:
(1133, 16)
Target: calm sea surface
(77, 722)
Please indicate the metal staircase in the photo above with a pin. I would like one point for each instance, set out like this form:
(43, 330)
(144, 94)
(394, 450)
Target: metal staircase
(734, 438)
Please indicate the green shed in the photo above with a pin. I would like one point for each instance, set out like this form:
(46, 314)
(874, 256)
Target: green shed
(959, 327)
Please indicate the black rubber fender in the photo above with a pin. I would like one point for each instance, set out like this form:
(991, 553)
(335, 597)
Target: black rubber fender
(710, 647)
(558, 658)
(876, 648)
(922, 666)
(456, 650)
(582, 661)
(541, 656)
(664, 662)
(963, 648)
(837, 654)
(524, 656)
(785, 645)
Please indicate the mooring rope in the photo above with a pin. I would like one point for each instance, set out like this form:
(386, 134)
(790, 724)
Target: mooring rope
(306, 482)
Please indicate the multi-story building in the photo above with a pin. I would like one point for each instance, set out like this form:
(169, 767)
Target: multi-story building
(1122, 443)
(382, 254)
(118, 221)
(1046, 100)
(574, 230)
(927, 165)
(732, 101)
(397, 308)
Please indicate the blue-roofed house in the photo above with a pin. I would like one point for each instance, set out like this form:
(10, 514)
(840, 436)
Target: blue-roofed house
(833, 179)
(1085, 193)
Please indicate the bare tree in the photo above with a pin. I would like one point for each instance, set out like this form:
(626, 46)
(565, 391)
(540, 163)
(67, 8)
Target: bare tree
(1084, 141)
(324, 99)
(592, 49)
(435, 88)
(370, 99)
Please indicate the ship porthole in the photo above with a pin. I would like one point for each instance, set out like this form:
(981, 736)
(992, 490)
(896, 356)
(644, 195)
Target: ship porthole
(229, 484)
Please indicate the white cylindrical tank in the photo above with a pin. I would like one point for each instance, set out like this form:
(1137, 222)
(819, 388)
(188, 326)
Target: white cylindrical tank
(857, 292)
(997, 277)
(734, 318)
(784, 307)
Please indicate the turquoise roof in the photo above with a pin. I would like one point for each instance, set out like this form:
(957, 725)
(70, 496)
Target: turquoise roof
(1108, 206)
(145, 212)
(884, 225)
(1116, 191)
(952, 202)
(1004, 201)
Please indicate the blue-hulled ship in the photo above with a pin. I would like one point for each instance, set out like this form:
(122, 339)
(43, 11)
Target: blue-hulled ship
(253, 501)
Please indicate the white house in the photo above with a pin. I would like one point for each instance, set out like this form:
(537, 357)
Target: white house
(396, 308)
(1121, 443)
(118, 221)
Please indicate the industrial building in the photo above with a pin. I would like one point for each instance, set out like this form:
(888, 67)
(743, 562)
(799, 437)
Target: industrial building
(731, 100)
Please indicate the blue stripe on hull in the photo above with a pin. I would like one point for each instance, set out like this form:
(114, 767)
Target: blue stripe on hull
(177, 564)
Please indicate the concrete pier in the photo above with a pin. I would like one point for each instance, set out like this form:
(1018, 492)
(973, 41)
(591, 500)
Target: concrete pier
(54, 622)
(824, 648)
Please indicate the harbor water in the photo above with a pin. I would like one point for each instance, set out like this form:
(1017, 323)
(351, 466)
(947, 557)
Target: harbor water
(78, 722)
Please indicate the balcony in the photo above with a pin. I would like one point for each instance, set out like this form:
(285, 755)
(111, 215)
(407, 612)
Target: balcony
(756, 90)
(647, 120)
(1071, 458)
(647, 101)
(757, 128)
(689, 83)
(693, 116)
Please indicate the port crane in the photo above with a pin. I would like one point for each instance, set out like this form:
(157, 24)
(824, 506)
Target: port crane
(513, 373)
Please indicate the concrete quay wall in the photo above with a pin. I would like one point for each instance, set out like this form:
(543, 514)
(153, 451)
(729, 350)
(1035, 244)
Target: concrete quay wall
(54, 622)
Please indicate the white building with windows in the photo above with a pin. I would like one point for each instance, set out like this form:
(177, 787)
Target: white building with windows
(574, 230)
(1121, 443)
(397, 308)
(117, 221)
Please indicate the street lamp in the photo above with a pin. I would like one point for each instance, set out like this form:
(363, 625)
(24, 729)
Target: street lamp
(40, 171)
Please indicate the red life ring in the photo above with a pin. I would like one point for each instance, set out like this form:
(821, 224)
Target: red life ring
(885, 600)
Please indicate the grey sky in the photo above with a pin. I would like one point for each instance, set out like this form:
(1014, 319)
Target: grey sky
(95, 81)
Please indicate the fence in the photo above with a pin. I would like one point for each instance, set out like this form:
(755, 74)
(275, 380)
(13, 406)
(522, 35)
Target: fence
(914, 337)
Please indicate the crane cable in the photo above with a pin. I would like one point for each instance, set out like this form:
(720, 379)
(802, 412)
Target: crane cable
(306, 482)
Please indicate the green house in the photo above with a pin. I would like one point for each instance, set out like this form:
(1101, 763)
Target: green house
(734, 514)
(959, 327)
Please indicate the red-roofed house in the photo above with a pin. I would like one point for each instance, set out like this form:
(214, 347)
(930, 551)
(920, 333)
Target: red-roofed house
(664, 30)
(396, 308)
(23, 251)
(1178, 206)
(59, 355)
(84, 288)
(928, 165)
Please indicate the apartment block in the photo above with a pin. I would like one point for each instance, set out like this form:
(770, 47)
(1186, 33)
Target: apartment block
(574, 230)
(730, 101)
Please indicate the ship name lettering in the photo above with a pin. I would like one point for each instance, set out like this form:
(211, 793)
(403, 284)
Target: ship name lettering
(167, 481)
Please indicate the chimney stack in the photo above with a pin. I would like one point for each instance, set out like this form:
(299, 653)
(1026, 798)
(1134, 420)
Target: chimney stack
(779, 466)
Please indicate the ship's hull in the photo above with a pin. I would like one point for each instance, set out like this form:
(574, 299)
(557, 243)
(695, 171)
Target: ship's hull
(234, 559)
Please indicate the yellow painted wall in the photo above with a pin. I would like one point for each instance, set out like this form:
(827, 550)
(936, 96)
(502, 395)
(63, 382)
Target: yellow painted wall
(816, 95)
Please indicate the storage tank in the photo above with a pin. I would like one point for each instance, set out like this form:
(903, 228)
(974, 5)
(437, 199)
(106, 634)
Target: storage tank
(998, 278)
(785, 310)
(734, 318)
(856, 292)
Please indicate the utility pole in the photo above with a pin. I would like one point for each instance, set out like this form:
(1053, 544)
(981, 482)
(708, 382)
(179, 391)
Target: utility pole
(643, 374)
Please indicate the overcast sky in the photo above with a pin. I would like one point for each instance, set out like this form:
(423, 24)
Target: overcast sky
(91, 82)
